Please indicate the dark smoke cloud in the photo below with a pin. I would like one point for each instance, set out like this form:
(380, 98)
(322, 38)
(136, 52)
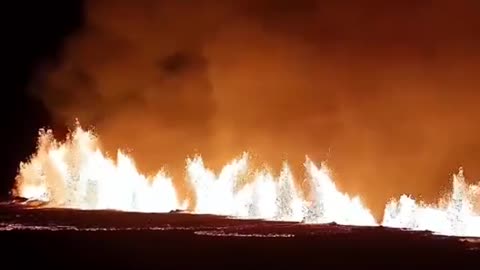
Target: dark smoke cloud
(386, 93)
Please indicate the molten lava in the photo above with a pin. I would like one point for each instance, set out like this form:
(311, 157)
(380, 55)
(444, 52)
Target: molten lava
(76, 174)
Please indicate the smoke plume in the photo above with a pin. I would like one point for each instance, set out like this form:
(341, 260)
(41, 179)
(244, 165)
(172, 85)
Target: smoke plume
(385, 93)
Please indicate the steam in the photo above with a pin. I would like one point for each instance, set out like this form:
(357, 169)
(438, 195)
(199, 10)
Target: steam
(386, 101)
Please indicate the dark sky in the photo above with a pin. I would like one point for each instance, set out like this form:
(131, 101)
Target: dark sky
(386, 91)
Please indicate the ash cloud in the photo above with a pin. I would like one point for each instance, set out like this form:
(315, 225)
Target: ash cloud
(386, 93)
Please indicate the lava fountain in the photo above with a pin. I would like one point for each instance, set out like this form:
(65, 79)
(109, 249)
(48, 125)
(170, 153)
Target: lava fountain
(76, 174)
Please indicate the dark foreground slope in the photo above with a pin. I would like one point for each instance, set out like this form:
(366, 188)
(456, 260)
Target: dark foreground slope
(56, 238)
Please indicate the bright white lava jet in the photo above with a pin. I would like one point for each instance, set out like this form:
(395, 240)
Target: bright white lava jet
(456, 214)
(76, 174)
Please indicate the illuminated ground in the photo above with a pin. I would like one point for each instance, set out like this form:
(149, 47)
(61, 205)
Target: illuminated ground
(91, 238)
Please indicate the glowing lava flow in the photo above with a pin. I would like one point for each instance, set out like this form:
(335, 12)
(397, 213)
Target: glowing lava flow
(456, 214)
(76, 174)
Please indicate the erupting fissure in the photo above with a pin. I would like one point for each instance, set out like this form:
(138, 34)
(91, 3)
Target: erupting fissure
(76, 174)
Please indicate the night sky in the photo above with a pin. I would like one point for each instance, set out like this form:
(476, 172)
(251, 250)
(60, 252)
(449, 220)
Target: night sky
(385, 92)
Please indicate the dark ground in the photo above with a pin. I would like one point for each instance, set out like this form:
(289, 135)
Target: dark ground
(57, 238)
